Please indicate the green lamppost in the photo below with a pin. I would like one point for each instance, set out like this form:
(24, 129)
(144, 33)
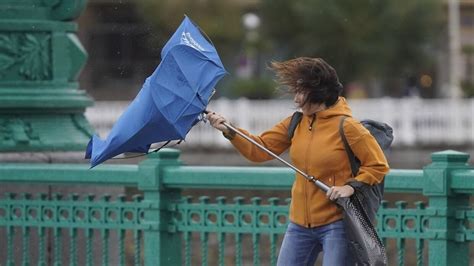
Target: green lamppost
(41, 106)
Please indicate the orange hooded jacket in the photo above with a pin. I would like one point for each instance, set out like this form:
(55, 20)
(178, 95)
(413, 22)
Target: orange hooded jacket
(317, 149)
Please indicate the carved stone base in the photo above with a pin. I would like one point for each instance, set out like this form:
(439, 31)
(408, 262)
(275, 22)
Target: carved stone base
(44, 132)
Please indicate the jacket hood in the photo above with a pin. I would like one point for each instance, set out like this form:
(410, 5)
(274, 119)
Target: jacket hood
(339, 108)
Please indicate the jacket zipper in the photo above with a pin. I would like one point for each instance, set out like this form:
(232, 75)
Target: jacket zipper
(308, 150)
(312, 122)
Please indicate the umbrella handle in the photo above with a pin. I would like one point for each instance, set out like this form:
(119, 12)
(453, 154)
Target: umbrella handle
(317, 182)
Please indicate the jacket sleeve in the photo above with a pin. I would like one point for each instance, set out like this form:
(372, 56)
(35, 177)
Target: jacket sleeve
(274, 139)
(373, 164)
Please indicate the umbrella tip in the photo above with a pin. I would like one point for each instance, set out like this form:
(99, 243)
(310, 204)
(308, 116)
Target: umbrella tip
(88, 153)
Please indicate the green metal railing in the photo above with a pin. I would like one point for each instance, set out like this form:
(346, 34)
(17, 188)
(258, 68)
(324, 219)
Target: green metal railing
(163, 225)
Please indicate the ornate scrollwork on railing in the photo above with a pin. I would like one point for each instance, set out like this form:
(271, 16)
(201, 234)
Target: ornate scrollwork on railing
(465, 225)
(404, 224)
(237, 217)
(97, 219)
(401, 222)
(71, 211)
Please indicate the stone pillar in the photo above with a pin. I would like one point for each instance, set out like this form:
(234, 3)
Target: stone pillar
(41, 106)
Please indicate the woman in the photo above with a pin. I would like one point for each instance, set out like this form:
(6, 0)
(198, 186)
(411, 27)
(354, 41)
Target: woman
(317, 149)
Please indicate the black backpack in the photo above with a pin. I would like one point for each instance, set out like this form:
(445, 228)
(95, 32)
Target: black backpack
(383, 134)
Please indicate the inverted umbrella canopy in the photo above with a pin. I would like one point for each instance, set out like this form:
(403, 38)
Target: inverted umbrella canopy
(171, 99)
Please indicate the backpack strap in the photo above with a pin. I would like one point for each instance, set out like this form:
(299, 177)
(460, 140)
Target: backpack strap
(350, 153)
(295, 120)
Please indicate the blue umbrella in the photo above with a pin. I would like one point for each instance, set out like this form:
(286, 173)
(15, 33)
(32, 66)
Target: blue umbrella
(171, 99)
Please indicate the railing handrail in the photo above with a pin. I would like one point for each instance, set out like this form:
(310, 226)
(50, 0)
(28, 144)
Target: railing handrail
(461, 181)
(210, 177)
(407, 181)
(228, 177)
(125, 175)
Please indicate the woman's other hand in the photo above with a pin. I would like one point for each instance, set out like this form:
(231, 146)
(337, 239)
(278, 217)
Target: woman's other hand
(216, 121)
(339, 191)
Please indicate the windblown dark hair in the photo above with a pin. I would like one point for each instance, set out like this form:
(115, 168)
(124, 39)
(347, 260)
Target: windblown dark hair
(311, 76)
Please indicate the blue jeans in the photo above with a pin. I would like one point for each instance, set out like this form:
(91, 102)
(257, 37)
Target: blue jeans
(301, 245)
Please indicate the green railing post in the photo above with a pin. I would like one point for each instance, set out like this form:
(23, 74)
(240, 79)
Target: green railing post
(162, 244)
(444, 248)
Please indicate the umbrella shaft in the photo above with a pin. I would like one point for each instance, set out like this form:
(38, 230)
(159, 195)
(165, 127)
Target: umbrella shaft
(318, 183)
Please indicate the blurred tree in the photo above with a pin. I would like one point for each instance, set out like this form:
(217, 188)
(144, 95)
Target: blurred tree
(220, 19)
(362, 39)
(253, 88)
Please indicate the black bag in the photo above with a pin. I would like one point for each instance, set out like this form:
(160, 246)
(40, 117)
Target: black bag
(371, 196)
(365, 245)
(295, 120)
